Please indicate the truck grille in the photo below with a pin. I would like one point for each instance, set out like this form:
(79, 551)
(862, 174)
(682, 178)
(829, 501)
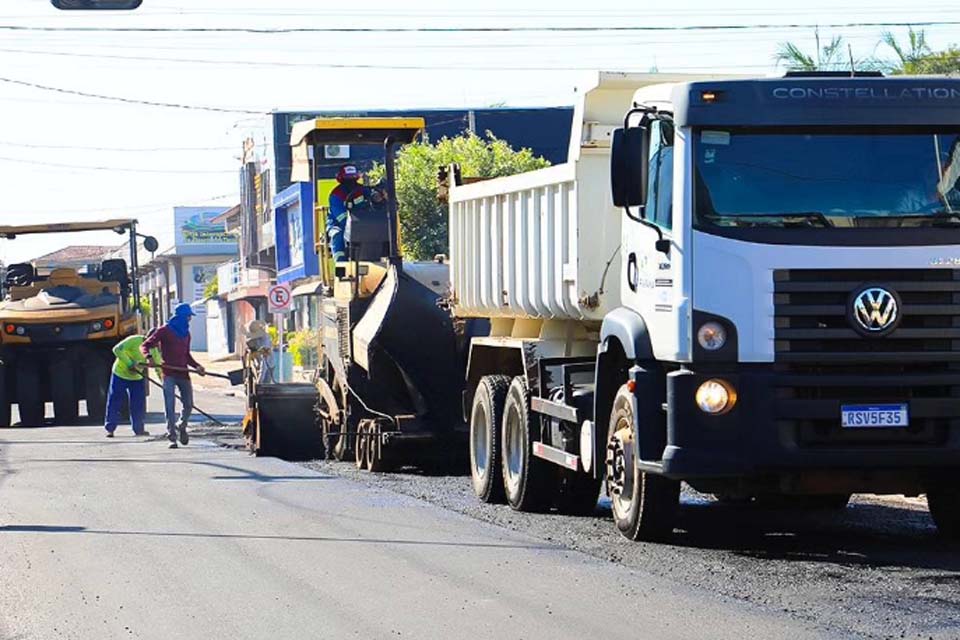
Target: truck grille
(824, 362)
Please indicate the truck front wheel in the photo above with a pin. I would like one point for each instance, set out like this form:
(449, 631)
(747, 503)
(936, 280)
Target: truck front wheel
(644, 505)
(944, 505)
(486, 416)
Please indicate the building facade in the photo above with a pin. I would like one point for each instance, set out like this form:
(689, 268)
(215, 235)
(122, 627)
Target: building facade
(182, 271)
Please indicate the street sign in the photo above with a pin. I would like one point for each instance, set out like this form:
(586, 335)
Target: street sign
(279, 298)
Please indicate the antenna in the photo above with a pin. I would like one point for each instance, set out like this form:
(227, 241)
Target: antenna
(853, 65)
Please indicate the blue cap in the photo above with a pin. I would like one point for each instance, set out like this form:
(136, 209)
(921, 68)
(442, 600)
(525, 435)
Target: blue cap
(183, 309)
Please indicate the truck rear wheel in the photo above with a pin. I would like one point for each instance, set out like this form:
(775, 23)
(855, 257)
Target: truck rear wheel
(526, 478)
(29, 397)
(96, 378)
(644, 505)
(944, 505)
(486, 416)
(63, 389)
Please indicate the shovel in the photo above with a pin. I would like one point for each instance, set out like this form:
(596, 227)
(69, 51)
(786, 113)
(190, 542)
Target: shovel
(235, 377)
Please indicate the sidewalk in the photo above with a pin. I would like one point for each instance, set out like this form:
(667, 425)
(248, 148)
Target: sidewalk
(218, 366)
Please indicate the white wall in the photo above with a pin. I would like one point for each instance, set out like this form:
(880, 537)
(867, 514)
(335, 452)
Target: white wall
(216, 328)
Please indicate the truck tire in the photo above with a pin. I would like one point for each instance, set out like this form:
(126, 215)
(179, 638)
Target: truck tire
(944, 505)
(486, 417)
(644, 505)
(63, 391)
(579, 493)
(526, 478)
(96, 378)
(29, 397)
(5, 418)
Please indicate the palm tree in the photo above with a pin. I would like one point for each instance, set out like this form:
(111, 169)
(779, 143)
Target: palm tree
(913, 55)
(827, 57)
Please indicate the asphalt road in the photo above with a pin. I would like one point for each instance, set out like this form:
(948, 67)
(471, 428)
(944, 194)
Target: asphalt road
(126, 538)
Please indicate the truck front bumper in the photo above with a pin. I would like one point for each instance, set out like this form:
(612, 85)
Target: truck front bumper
(788, 423)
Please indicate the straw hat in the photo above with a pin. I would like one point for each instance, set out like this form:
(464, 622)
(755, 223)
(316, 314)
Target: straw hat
(256, 329)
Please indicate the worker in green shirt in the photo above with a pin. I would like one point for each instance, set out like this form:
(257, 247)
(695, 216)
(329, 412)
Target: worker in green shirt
(128, 381)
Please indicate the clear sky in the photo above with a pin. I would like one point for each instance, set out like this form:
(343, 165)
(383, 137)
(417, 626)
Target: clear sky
(64, 156)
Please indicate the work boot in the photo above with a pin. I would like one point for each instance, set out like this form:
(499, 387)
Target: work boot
(184, 436)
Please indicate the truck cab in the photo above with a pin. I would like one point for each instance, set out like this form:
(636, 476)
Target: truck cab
(791, 294)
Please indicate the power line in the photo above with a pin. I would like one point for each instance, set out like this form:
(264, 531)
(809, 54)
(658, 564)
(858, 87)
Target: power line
(29, 145)
(151, 103)
(141, 208)
(498, 29)
(278, 63)
(57, 165)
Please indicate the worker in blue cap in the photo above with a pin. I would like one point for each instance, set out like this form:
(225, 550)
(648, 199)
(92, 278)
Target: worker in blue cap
(173, 340)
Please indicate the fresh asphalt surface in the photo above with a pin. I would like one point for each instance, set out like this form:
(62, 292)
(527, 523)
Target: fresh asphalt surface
(124, 538)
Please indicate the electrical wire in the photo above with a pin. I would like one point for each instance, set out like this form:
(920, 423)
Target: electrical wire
(489, 29)
(57, 165)
(151, 103)
(30, 145)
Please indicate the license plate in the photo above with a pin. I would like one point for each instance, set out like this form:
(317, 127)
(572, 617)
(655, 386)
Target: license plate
(874, 416)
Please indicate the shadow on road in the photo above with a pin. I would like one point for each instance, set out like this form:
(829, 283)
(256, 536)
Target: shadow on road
(868, 535)
(59, 530)
(242, 474)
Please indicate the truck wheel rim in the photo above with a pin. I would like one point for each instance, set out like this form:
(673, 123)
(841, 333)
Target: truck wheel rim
(479, 445)
(619, 464)
(513, 448)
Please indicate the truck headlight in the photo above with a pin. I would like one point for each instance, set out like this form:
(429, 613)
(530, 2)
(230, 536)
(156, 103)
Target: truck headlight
(712, 336)
(716, 396)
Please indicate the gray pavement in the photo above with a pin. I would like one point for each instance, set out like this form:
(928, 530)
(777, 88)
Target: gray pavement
(125, 538)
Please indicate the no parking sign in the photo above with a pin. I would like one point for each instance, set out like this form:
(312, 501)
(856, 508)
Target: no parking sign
(279, 298)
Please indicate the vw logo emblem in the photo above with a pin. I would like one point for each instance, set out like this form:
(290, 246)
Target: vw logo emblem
(875, 310)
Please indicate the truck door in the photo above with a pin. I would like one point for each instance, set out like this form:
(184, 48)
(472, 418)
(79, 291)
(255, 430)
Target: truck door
(652, 278)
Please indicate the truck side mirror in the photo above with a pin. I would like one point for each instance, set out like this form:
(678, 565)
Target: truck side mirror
(628, 166)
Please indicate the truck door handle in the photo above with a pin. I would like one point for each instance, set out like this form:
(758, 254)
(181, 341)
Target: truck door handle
(633, 272)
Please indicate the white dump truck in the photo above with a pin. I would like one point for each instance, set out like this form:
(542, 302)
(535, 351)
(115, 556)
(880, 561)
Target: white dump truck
(750, 285)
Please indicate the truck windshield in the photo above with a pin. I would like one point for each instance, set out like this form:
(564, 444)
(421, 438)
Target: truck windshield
(827, 178)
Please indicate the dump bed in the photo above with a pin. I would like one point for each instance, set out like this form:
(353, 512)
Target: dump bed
(546, 244)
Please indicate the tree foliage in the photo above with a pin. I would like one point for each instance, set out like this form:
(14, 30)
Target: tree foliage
(212, 288)
(423, 218)
(827, 57)
(912, 56)
(915, 57)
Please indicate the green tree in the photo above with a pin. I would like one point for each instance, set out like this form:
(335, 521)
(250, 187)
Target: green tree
(212, 288)
(826, 57)
(423, 218)
(915, 57)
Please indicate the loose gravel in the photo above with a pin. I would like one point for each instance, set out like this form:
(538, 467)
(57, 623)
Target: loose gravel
(875, 569)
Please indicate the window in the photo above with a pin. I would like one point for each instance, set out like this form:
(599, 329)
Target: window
(827, 177)
(660, 182)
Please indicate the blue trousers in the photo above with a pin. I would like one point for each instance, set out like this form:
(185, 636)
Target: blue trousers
(136, 391)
